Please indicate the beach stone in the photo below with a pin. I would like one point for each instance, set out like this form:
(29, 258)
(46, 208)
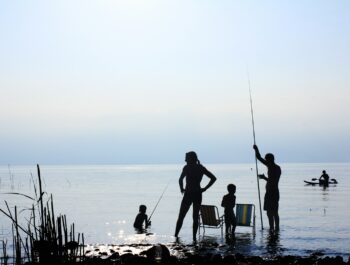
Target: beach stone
(96, 261)
(229, 260)
(255, 260)
(339, 260)
(129, 259)
(115, 255)
(193, 259)
(152, 254)
(306, 260)
(216, 259)
(331, 261)
(240, 257)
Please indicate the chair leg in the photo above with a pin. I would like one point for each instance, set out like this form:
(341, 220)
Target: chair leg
(199, 226)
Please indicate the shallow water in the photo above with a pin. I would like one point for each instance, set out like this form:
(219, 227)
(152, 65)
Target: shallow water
(103, 200)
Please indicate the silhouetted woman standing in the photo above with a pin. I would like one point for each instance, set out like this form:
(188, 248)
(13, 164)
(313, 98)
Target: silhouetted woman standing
(193, 171)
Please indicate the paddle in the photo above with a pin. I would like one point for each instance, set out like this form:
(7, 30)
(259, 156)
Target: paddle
(334, 180)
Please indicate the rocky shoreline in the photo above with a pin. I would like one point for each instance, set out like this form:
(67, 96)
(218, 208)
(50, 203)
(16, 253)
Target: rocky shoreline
(178, 255)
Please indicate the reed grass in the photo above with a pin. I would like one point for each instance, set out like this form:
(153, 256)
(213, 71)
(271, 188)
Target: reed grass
(46, 239)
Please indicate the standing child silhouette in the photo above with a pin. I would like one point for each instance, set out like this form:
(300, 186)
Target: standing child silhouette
(229, 202)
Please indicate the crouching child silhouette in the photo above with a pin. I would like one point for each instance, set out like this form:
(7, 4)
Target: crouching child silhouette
(229, 202)
(141, 218)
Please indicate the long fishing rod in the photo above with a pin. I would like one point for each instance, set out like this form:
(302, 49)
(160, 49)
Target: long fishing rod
(161, 196)
(256, 160)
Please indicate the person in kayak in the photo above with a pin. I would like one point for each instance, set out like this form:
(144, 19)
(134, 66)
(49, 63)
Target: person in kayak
(324, 179)
(193, 171)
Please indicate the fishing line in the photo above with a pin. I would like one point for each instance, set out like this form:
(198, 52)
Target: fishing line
(161, 196)
(256, 160)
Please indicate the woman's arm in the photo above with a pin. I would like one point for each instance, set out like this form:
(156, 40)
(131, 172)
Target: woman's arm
(181, 181)
(211, 182)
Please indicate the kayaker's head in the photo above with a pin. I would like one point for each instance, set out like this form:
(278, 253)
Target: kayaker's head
(324, 171)
(270, 158)
(191, 158)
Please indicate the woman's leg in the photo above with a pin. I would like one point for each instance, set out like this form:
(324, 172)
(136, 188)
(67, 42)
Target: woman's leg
(185, 206)
(196, 207)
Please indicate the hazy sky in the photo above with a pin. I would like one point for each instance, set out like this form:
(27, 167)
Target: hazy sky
(138, 81)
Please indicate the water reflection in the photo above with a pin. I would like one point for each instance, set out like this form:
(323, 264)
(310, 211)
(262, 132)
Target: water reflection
(243, 243)
(325, 194)
(273, 246)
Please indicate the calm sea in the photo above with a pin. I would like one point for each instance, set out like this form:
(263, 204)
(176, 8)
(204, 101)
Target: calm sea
(103, 200)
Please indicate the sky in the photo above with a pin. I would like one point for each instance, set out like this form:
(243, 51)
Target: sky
(115, 82)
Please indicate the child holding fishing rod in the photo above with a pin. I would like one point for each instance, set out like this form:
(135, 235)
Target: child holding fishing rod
(272, 194)
(141, 218)
(193, 171)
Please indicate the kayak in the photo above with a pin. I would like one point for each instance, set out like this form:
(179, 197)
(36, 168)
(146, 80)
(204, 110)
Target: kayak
(321, 183)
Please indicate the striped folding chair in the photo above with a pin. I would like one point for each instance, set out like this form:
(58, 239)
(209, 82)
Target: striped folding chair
(245, 215)
(209, 218)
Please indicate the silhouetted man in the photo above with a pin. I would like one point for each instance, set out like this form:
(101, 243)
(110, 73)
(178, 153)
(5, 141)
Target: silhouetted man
(272, 194)
(193, 172)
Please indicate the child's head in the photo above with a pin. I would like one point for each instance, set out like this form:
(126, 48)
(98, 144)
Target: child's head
(142, 208)
(231, 188)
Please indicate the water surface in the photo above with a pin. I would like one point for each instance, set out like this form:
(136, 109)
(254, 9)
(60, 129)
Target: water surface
(103, 200)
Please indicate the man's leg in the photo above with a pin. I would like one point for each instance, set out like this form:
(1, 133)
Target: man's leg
(277, 221)
(270, 216)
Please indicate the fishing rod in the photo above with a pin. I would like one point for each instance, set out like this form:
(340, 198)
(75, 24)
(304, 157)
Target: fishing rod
(161, 196)
(256, 160)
